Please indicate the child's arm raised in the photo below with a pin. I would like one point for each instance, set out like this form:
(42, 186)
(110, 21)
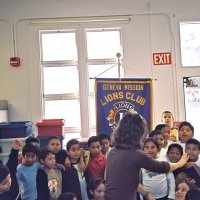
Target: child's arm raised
(17, 144)
(60, 166)
(13, 157)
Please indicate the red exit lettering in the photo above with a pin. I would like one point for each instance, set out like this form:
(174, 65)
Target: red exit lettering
(162, 58)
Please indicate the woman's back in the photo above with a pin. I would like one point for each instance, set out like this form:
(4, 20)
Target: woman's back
(122, 173)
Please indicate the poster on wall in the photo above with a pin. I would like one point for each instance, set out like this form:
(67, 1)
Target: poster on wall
(114, 97)
(192, 102)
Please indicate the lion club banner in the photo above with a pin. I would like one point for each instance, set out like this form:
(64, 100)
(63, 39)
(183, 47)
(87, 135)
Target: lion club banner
(114, 97)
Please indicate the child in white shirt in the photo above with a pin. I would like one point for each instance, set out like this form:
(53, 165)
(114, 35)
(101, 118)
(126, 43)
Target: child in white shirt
(161, 186)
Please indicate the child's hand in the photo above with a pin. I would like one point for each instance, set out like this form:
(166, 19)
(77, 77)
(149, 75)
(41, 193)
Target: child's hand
(149, 197)
(82, 152)
(183, 160)
(67, 162)
(5, 185)
(190, 164)
(17, 144)
(82, 166)
(60, 166)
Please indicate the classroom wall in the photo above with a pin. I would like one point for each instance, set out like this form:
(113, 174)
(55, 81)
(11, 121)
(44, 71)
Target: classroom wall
(153, 28)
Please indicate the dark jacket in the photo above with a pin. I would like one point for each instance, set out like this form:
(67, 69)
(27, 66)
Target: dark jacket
(42, 185)
(60, 157)
(72, 181)
(12, 165)
(191, 174)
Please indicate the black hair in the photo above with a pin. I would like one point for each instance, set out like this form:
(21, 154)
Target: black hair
(52, 138)
(44, 153)
(4, 171)
(193, 141)
(67, 196)
(93, 139)
(94, 184)
(175, 145)
(72, 142)
(30, 148)
(32, 140)
(185, 123)
(159, 127)
(103, 136)
(129, 131)
(155, 132)
(193, 194)
(151, 139)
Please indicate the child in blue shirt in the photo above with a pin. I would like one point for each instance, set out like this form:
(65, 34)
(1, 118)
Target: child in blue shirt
(27, 171)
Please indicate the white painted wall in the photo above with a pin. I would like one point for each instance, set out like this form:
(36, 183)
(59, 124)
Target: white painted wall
(153, 28)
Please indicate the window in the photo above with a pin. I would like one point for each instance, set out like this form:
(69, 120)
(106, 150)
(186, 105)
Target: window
(192, 102)
(70, 62)
(190, 43)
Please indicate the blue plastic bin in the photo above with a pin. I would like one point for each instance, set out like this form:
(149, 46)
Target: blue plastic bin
(19, 129)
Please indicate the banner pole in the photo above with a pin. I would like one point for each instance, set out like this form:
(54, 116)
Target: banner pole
(118, 55)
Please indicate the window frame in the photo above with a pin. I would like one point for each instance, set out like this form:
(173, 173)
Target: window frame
(82, 64)
(181, 23)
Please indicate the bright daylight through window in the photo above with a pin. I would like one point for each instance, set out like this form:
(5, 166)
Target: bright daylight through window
(190, 43)
(70, 62)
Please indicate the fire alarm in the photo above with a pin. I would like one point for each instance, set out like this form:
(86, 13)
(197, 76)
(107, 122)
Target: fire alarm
(15, 61)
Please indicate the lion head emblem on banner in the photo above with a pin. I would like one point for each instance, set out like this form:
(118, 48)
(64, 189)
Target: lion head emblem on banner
(116, 112)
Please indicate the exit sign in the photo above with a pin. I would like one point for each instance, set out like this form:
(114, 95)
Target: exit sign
(162, 58)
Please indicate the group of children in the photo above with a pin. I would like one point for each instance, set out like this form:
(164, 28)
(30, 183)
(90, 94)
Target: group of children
(162, 144)
(52, 173)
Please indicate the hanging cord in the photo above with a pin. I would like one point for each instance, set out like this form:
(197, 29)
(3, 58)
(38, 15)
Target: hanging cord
(118, 55)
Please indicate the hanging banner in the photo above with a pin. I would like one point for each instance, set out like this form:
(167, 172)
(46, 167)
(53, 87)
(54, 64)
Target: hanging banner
(114, 97)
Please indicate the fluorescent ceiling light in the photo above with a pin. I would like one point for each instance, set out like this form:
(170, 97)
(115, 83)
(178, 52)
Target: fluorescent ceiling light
(85, 20)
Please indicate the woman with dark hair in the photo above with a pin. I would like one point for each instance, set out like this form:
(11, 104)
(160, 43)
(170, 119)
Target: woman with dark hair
(126, 159)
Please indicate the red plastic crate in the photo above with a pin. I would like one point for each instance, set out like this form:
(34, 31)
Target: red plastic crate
(50, 127)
